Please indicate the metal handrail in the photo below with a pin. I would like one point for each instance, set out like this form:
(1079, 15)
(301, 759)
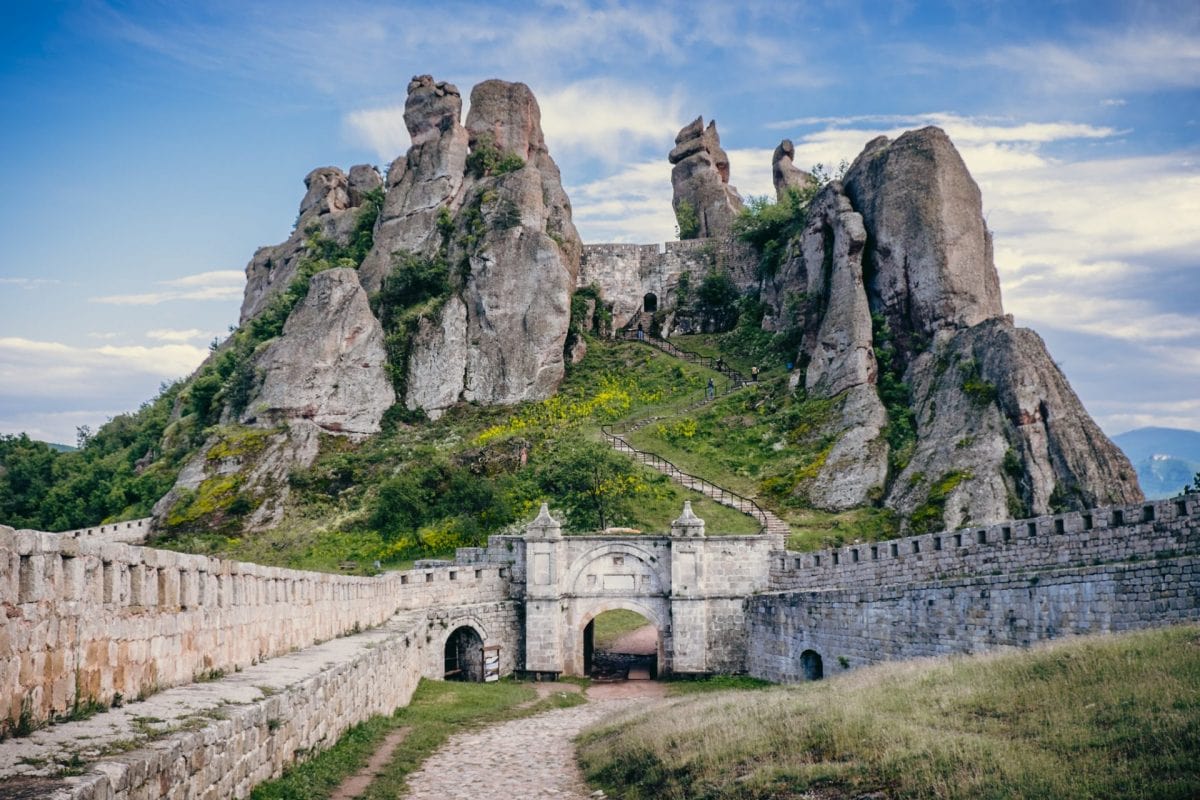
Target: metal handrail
(719, 493)
(718, 364)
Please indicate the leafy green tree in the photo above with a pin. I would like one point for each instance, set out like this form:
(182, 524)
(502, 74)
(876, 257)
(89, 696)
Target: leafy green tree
(717, 297)
(687, 221)
(597, 486)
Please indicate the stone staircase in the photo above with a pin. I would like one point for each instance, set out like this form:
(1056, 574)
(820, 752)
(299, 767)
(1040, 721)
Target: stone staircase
(771, 523)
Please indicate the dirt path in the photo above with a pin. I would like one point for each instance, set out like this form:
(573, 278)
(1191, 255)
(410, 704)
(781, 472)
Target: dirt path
(531, 758)
(640, 642)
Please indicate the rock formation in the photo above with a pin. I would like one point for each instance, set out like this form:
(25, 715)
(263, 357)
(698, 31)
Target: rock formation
(700, 179)
(784, 173)
(329, 366)
(504, 222)
(999, 433)
(330, 207)
(931, 258)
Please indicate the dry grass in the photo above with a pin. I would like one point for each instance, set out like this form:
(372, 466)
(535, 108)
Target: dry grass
(1107, 716)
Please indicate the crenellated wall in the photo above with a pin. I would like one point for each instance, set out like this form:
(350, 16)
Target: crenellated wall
(85, 620)
(1011, 584)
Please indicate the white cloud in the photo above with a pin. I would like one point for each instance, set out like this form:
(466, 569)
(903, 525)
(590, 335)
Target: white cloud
(173, 335)
(632, 205)
(216, 285)
(607, 119)
(29, 283)
(1138, 60)
(381, 129)
(30, 368)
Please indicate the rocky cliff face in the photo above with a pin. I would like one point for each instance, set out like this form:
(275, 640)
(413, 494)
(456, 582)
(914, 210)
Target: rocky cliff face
(898, 256)
(700, 179)
(330, 207)
(486, 198)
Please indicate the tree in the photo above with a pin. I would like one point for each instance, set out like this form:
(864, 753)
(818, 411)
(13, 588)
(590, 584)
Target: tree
(687, 221)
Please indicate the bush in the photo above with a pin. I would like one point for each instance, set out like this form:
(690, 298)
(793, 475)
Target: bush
(486, 159)
(687, 221)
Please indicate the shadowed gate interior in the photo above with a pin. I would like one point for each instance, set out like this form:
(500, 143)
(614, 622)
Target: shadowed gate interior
(464, 656)
(620, 644)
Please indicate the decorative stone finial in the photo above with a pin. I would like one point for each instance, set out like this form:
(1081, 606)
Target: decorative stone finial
(544, 526)
(688, 523)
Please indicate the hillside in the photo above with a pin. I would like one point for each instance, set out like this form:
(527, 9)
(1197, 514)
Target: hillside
(1166, 459)
(1107, 716)
(430, 354)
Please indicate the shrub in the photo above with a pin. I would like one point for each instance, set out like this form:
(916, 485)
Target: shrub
(687, 221)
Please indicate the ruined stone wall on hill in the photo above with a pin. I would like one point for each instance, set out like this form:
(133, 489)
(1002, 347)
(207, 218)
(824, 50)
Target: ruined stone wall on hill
(1010, 584)
(626, 273)
(87, 620)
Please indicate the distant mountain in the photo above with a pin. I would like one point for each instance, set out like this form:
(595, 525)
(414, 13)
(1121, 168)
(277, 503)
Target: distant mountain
(1166, 459)
(62, 448)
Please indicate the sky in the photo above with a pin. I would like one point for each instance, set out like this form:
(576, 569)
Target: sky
(150, 146)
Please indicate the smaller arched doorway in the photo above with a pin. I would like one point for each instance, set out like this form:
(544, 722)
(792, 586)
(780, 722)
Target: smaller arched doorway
(650, 303)
(464, 656)
(621, 644)
(810, 664)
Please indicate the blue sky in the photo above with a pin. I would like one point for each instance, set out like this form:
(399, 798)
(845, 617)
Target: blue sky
(150, 146)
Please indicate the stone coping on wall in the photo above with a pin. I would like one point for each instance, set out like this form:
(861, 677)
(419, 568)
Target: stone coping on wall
(1113, 533)
(120, 748)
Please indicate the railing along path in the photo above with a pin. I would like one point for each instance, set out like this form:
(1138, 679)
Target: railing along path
(770, 522)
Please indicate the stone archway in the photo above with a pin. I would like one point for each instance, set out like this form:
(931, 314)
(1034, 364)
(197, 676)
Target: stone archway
(811, 665)
(580, 631)
(650, 302)
(463, 655)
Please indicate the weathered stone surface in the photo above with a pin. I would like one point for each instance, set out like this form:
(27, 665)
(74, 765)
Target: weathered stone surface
(700, 178)
(993, 393)
(428, 178)
(931, 253)
(329, 365)
(826, 269)
(784, 173)
(330, 206)
(514, 234)
(438, 364)
(364, 179)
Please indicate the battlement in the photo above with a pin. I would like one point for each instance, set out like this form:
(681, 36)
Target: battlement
(91, 619)
(132, 531)
(1102, 535)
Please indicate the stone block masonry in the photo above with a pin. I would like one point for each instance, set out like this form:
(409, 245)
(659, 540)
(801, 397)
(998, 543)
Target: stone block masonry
(88, 620)
(1011, 584)
(219, 739)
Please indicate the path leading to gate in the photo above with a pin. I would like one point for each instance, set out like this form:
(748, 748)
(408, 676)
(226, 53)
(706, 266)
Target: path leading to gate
(531, 758)
(771, 523)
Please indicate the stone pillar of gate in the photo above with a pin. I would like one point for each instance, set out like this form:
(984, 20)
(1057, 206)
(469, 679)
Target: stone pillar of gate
(689, 608)
(543, 594)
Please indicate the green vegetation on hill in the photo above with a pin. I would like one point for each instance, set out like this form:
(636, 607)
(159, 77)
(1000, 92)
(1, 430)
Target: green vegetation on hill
(1106, 716)
(422, 489)
(118, 472)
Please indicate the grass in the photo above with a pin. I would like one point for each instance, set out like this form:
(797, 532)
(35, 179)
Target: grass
(438, 710)
(1104, 716)
(328, 518)
(612, 625)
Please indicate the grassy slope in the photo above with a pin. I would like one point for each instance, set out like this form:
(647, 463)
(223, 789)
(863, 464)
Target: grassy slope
(1099, 716)
(327, 523)
(762, 442)
(612, 625)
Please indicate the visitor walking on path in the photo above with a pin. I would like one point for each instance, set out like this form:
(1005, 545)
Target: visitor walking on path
(754, 373)
(710, 391)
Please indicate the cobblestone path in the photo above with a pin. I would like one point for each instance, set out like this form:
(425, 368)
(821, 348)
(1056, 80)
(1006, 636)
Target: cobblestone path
(531, 758)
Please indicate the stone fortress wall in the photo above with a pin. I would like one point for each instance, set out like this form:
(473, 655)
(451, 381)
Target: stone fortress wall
(132, 531)
(1009, 584)
(87, 620)
(626, 273)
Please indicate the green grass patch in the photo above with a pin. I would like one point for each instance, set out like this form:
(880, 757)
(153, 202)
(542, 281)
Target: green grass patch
(612, 625)
(1105, 716)
(437, 711)
(715, 683)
